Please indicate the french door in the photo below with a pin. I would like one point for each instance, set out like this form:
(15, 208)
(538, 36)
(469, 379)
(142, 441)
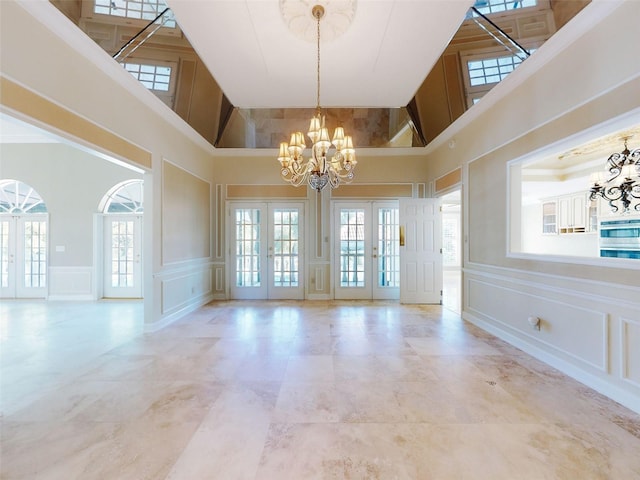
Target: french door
(367, 250)
(122, 256)
(267, 245)
(23, 256)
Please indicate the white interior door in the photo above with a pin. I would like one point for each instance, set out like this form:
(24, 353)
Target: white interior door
(267, 245)
(367, 264)
(420, 251)
(23, 256)
(122, 256)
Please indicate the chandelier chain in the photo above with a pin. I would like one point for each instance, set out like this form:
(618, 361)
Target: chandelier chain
(318, 14)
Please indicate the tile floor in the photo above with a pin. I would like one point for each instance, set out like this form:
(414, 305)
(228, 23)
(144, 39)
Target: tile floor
(292, 390)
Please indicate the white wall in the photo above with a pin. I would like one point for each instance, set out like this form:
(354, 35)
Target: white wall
(579, 85)
(71, 182)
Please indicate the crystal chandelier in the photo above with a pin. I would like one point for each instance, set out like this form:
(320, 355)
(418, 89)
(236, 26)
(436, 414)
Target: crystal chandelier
(619, 184)
(320, 169)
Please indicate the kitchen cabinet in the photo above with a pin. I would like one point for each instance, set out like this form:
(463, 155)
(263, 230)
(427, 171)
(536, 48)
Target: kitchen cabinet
(572, 213)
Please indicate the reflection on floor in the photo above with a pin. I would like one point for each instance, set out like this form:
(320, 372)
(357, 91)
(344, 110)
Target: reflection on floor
(292, 390)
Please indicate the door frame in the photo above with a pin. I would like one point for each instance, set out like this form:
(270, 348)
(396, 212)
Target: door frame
(135, 292)
(267, 291)
(16, 228)
(372, 291)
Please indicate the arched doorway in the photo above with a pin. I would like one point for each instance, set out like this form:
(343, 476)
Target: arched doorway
(122, 208)
(23, 241)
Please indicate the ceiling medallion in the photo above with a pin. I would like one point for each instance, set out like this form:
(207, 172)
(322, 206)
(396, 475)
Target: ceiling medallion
(299, 19)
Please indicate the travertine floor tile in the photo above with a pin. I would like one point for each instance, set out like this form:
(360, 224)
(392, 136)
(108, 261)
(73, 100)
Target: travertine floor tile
(283, 390)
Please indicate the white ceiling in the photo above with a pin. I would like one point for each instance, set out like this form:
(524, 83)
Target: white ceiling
(379, 61)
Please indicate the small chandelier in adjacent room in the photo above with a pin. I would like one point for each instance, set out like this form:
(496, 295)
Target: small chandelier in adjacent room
(619, 184)
(320, 169)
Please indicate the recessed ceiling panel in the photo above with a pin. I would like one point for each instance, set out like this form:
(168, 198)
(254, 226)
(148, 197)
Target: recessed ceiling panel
(379, 61)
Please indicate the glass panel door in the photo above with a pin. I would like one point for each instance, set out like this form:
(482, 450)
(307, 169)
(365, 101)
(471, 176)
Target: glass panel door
(367, 244)
(285, 247)
(387, 251)
(267, 246)
(8, 226)
(123, 262)
(249, 252)
(23, 256)
(352, 248)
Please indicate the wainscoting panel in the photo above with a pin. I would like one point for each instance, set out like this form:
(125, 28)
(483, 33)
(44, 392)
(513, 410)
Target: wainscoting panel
(319, 282)
(182, 290)
(219, 285)
(560, 322)
(71, 283)
(588, 329)
(631, 350)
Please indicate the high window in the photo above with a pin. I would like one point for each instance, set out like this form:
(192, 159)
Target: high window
(486, 69)
(141, 9)
(487, 7)
(154, 77)
(491, 70)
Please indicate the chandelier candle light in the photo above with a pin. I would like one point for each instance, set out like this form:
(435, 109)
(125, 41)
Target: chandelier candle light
(318, 170)
(620, 183)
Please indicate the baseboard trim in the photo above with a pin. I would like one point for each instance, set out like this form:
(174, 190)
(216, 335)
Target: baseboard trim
(614, 392)
(176, 315)
(81, 297)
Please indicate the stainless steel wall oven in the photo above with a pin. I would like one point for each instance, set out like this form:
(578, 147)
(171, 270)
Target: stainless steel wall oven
(620, 237)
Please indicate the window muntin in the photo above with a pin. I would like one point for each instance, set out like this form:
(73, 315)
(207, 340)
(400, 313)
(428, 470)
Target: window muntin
(550, 217)
(248, 240)
(17, 197)
(122, 253)
(485, 70)
(35, 253)
(125, 197)
(352, 243)
(4, 253)
(285, 247)
(141, 9)
(388, 248)
(491, 70)
(154, 77)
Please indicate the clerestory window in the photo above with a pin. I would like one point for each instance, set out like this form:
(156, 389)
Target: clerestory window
(138, 9)
(154, 77)
(491, 70)
(486, 70)
(487, 7)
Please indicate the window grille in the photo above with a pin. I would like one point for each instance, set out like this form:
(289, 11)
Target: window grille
(141, 9)
(154, 77)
